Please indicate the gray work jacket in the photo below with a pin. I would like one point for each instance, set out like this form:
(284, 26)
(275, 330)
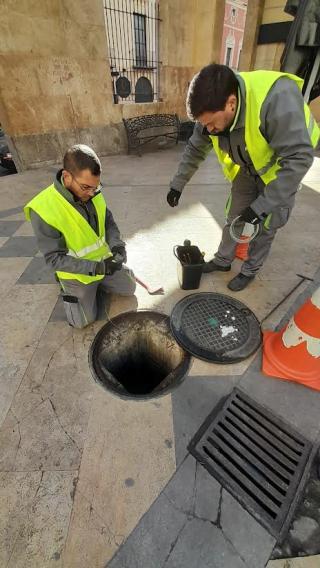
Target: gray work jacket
(282, 124)
(52, 243)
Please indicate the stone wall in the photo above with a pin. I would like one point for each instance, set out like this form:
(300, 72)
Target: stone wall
(55, 85)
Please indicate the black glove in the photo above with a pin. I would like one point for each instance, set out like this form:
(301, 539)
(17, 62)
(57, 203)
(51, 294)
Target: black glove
(121, 252)
(111, 265)
(173, 197)
(250, 216)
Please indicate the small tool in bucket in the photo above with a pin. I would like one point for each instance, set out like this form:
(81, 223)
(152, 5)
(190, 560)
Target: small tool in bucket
(190, 265)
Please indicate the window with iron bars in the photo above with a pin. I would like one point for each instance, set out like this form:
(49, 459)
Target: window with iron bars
(132, 28)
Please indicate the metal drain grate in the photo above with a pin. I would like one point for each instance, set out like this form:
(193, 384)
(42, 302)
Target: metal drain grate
(215, 327)
(255, 456)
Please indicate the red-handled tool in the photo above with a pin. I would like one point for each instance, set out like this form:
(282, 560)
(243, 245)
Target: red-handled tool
(152, 290)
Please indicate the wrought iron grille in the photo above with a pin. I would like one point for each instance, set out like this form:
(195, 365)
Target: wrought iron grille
(132, 28)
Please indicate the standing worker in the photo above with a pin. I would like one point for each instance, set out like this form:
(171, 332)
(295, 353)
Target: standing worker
(78, 236)
(264, 137)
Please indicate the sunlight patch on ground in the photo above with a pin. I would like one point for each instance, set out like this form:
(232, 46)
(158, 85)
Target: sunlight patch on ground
(150, 251)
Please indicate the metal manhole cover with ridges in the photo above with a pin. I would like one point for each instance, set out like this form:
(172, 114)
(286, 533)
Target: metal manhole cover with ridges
(257, 457)
(215, 327)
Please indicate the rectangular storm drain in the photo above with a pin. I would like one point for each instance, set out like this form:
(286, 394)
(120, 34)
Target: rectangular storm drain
(256, 456)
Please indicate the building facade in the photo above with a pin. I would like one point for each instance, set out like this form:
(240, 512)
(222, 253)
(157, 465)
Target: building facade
(66, 78)
(132, 29)
(233, 31)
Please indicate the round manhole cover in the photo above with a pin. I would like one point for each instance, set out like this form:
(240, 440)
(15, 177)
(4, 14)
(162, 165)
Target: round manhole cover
(215, 327)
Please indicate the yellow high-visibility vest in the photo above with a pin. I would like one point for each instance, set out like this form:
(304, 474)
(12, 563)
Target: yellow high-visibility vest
(81, 240)
(264, 159)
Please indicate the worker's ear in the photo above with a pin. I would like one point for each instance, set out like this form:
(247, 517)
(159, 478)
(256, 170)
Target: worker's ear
(231, 103)
(67, 178)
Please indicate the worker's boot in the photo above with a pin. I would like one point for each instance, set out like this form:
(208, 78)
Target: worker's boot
(240, 282)
(211, 266)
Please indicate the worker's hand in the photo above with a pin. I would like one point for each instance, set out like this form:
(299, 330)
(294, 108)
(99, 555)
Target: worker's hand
(121, 252)
(111, 265)
(250, 216)
(173, 197)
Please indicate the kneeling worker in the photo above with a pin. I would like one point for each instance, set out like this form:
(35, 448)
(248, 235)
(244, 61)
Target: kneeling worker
(78, 236)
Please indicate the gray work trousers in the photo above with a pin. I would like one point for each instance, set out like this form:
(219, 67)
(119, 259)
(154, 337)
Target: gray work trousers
(245, 189)
(80, 300)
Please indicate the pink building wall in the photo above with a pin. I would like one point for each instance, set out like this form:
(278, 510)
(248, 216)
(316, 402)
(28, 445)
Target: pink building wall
(233, 30)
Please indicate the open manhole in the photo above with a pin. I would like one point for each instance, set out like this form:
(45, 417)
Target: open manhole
(258, 458)
(215, 327)
(135, 356)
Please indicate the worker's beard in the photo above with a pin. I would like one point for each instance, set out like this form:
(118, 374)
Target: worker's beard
(86, 199)
(224, 132)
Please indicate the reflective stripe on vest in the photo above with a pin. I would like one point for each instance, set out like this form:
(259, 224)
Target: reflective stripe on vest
(86, 250)
(81, 240)
(265, 161)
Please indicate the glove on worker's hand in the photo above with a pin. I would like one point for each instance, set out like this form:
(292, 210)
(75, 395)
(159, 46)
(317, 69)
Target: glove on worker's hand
(250, 216)
(111, 265)
(173, 197)
(120, 251)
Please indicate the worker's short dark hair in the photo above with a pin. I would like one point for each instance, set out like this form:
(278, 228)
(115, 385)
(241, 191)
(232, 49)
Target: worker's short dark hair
(81, 157)
(210, 89)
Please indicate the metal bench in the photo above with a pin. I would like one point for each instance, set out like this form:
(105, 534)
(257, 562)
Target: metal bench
(144, 129)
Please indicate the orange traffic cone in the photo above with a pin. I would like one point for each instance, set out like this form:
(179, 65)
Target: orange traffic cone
(294, 352)
(242, 248)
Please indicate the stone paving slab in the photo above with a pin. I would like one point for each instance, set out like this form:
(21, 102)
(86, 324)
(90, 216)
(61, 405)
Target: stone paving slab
(19, 246)
(25, 230)
(194, 522)
(58, 313)
(9, 212)
(8, 228)
(3, 240)
(17, 493)
(25, 313)
(237, 524)
(128, 458)
(316, 276)
(294, 403)
(307, 562)
(192, 403)
(41, 540)
(201, 544)
(37, 273)
(11, 269)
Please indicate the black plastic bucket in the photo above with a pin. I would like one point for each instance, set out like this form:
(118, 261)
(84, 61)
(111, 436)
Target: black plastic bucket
(190, 266)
